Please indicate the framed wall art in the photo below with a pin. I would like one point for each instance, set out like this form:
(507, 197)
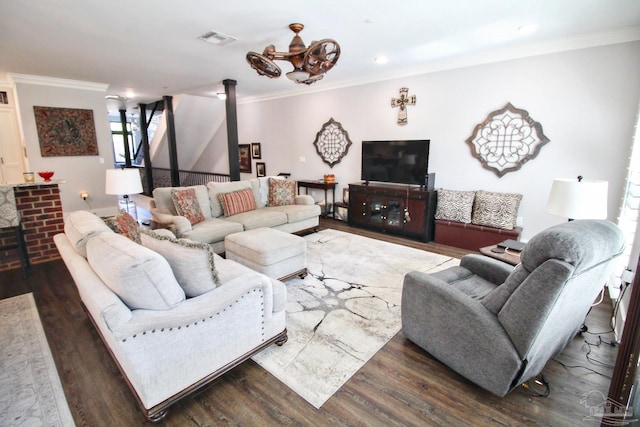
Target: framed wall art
(261, 169)
(332, 142)
(256, 151)
(244, 153)
(506, 139)
(66, 131)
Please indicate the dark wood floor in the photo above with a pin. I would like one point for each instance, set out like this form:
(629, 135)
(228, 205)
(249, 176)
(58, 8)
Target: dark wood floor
(400, 386)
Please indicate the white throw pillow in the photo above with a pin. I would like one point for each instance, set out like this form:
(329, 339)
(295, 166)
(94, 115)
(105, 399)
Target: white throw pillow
(192, 262)
(80, 226)
(139, 276)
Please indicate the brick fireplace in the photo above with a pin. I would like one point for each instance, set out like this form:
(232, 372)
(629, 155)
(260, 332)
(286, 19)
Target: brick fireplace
(40, 208)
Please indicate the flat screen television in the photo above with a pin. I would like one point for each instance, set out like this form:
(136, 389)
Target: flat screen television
(403, 162)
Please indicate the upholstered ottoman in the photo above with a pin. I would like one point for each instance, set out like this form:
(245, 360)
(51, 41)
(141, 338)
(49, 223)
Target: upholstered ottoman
(275, 253)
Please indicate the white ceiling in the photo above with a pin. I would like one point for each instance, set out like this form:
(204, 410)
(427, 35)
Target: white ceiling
(151, 48)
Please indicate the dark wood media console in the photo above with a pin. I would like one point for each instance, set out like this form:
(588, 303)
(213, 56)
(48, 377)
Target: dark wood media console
(395, 208)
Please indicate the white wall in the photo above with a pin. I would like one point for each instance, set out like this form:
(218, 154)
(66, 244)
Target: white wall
(80, 173)
(585, 100)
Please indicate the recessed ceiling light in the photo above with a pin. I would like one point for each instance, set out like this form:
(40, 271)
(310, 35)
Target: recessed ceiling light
(112, 97)
(217, 38)
(221, 96)
(381, 59)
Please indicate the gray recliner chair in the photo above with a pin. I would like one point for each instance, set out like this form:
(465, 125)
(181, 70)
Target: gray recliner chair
(498, 325)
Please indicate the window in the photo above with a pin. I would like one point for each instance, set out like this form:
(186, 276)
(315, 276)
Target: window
(118, 136)
(628, 219)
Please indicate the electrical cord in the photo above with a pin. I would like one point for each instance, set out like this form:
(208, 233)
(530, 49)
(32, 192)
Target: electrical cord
(591, 359)
(600, 300)
(531, 386)
(564, 365)
(616, 307)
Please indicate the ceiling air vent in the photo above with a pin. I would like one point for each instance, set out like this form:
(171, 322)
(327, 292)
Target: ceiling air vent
(215, 37)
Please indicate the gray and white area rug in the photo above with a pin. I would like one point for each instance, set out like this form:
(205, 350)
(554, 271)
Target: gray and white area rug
(30, 390)
(344, 311)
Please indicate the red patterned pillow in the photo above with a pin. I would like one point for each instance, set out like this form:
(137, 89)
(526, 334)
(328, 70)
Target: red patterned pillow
(186, 204)
(237, 202)
(125, 224)
(282, 192)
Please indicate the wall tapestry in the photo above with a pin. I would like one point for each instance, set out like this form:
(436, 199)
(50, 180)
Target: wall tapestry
(332, 142)
(66, 132)
(507, 139)
(402, 102)
(244, 154)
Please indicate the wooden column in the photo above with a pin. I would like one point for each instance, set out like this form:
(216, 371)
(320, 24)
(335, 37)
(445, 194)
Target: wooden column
(232, 129)
(171, 141)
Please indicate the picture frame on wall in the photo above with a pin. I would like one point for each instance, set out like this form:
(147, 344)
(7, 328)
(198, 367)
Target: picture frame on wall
(66, 131)
(256, 151)
(244, 153)
(261, 169)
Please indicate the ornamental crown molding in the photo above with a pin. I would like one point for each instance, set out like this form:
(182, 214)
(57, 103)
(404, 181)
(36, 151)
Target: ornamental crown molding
(57, 82)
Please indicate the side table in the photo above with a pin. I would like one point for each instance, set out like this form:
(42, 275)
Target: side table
(320, 184)
(509, 256)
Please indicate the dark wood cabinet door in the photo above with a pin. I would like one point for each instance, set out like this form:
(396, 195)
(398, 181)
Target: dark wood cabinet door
(416, 209)
(382, 207)
(358, 208)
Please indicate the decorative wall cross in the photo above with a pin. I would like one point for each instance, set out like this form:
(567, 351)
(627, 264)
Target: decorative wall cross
(402, 102)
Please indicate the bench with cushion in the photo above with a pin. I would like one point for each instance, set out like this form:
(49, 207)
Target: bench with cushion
(475, 219)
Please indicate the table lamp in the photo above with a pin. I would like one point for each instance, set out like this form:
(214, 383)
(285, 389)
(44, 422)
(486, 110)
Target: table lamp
(123, 182)
(578, 198)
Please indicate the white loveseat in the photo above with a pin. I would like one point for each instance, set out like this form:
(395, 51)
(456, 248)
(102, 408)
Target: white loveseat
(293, 218)
(166, 344)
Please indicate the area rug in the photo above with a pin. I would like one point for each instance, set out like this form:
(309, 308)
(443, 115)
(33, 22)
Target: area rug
(30, 389)
(343, 312)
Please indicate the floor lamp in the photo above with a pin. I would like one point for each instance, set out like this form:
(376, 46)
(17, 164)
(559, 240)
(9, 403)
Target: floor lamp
(579, 199)
(123, 182)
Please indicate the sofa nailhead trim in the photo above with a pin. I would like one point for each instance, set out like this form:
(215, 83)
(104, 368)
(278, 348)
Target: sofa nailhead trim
(216, 314)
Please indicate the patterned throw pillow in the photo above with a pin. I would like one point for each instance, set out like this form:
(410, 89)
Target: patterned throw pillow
(192, 263)
(455, 205)
(237, 202)
(187, 205)
(282, 192)
(125, 224)
(499, 210)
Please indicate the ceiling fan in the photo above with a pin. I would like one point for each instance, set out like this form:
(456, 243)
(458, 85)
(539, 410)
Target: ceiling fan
(309, 63)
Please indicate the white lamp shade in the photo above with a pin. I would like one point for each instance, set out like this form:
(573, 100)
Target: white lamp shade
(123, 181)
(573, 199)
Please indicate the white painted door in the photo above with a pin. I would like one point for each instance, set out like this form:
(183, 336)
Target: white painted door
(11, 155)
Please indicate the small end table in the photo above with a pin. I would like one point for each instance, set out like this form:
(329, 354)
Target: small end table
(509, 255)
(322, 186)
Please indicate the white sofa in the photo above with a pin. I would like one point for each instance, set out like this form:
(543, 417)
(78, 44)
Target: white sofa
(166, 344)
(302, 216)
